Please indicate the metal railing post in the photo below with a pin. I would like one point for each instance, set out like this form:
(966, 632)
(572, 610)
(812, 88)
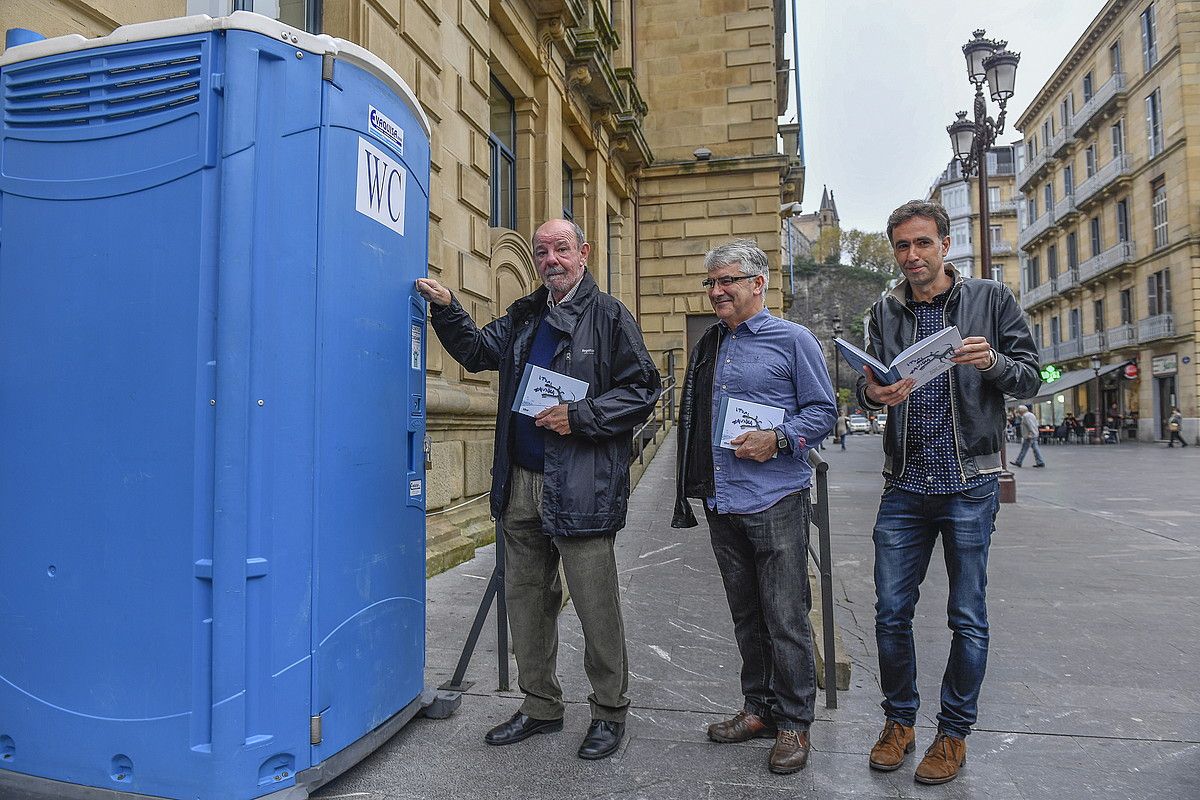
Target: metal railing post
(824, 558)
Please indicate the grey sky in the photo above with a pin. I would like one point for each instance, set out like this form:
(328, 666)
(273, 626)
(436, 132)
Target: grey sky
(881, 81)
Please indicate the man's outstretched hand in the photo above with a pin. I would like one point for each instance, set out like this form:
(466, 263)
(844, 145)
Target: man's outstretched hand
(433, 291)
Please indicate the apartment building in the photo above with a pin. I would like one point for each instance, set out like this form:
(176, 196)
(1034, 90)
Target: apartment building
(1111, 188)
(596, 110)
(960, 196)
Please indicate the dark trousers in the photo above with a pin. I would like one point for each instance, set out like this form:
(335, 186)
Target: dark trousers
(905, 531)
(535, 597)
(763, 559)
(1175, 437)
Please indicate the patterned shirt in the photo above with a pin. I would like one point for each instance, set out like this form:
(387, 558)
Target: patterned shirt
(931, 464)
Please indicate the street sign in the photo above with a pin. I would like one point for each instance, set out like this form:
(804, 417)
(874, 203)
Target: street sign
(1164, 365)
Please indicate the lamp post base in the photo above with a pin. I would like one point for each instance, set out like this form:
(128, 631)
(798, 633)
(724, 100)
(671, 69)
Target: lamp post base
(1008, 487)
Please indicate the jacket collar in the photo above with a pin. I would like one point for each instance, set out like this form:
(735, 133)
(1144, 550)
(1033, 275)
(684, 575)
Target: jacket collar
(899, 292)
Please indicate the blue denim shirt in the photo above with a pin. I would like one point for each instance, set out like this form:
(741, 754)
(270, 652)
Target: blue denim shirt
(932, 466)
(778, 363)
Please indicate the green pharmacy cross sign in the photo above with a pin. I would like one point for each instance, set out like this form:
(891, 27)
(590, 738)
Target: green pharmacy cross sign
(1051, 373)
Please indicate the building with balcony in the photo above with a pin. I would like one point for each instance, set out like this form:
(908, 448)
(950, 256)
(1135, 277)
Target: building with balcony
(1111, 221)
(960, 196)
(595, 110)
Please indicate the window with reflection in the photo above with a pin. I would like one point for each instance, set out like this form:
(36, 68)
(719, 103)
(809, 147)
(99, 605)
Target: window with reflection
(502, 146)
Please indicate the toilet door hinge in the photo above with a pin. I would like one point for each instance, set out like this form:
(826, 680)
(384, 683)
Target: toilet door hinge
(314, 730)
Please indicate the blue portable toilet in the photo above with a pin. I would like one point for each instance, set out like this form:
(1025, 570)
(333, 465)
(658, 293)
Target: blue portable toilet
(212, 388)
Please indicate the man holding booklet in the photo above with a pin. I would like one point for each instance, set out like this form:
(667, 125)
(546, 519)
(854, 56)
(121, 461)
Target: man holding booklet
(575, 380)
(942, 458)
(756, 399)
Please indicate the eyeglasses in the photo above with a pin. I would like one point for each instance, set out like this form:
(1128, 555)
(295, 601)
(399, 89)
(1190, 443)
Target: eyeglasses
(725, 280)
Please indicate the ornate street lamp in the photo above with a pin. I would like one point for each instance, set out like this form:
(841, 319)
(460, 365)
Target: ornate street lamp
(1099, 402)
(988, 61)
(837, 382)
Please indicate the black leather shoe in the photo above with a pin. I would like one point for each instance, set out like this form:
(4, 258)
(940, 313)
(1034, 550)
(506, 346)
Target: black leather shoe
(521, 727)
(602, 740)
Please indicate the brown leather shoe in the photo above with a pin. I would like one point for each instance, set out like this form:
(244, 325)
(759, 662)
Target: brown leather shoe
(942, 760)
(742, 728)
(790, 752)
(895, 743)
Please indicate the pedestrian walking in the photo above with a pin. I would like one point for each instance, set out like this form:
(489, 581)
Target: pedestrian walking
(560, 480)
(942, 457)
(1174, 423)
(1030, 435)
(841, 428)
(756, 497)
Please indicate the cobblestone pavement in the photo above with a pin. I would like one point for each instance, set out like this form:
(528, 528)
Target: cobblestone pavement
(1093, 688)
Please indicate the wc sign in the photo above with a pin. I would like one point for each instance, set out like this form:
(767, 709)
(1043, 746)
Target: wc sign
(379, 191)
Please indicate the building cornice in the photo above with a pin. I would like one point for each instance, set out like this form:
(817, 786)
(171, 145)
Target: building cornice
(1083, 47)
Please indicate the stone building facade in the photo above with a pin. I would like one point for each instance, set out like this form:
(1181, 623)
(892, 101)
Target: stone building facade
(1111, 188)
(960, 196)
(590, 109)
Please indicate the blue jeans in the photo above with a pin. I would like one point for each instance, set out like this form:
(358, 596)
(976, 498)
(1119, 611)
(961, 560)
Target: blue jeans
(905, 531)
(764, 565)
(1037, 451)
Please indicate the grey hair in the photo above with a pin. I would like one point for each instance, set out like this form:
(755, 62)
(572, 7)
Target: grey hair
(747, 255)
(580, 239)
(1022, 409)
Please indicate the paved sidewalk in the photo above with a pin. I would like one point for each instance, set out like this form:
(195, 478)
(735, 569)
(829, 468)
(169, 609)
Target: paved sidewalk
(1093, 687)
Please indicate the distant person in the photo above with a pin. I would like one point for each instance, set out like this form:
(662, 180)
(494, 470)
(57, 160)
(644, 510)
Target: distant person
(841, 428)
(756, 497)
(1174, 423)
(560, 480)
(942, 460)
(1030, 432)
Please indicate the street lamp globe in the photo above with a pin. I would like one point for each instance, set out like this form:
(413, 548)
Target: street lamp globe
(962, 136)
(1001, 69)
(976, 51)
(1096, 363)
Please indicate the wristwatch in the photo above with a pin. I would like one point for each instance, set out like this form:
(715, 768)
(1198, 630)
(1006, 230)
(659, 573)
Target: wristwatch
(781, 440)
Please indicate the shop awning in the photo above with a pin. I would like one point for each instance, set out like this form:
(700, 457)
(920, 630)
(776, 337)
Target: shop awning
(1069, 380)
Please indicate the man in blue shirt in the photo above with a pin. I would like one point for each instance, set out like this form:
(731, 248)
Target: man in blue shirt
(942, 457)
(756, 494)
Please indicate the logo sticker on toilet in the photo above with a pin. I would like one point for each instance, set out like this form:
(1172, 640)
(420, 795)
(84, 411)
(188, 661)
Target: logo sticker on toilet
(385, 129)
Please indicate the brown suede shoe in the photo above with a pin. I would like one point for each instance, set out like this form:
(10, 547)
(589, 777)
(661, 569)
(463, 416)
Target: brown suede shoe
(895, 743)
(942, 760)
(789, 753)
(742, 728)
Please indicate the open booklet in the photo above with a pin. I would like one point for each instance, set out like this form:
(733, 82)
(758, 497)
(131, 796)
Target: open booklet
(542, 388)
(735, 417)
(922, 362)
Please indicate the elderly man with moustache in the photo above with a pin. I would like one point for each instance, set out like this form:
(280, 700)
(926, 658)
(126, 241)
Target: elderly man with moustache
(560, 480)
(756, 497)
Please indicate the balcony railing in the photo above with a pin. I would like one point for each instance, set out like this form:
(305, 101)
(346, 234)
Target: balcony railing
(1111, 88)
(1008, 206)
(957, 252)
(1069, 349)
(1001, 247)
(1105, 262)
(1160, 326)
(1038, 294)
(1114, 169)
(1032, 167)
(1121, 336)
(1067, 280)
(1035, 229)
(1049, 353)
(1060, 140)
(1065, 208)
(1093, 343)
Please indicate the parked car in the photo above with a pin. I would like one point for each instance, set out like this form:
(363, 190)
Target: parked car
(859, 424)
(880, 421)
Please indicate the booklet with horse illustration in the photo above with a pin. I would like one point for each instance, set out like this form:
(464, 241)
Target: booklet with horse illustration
(542, 388)
(922, 362)
(735, 417)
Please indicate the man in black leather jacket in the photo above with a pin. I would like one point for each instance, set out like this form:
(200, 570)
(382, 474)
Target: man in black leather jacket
(560, 480)
(942, 457)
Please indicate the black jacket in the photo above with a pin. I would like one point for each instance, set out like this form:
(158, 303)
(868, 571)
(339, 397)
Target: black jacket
(694, 459)
(979, 308)
(586, 489)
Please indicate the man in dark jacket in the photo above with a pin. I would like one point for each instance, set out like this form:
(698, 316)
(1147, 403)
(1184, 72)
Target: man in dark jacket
(941, 464)
(560, 480)
(755, 490)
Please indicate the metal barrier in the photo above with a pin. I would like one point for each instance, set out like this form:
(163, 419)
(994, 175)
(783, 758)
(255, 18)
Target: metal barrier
(823, 557)
(664, 410)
